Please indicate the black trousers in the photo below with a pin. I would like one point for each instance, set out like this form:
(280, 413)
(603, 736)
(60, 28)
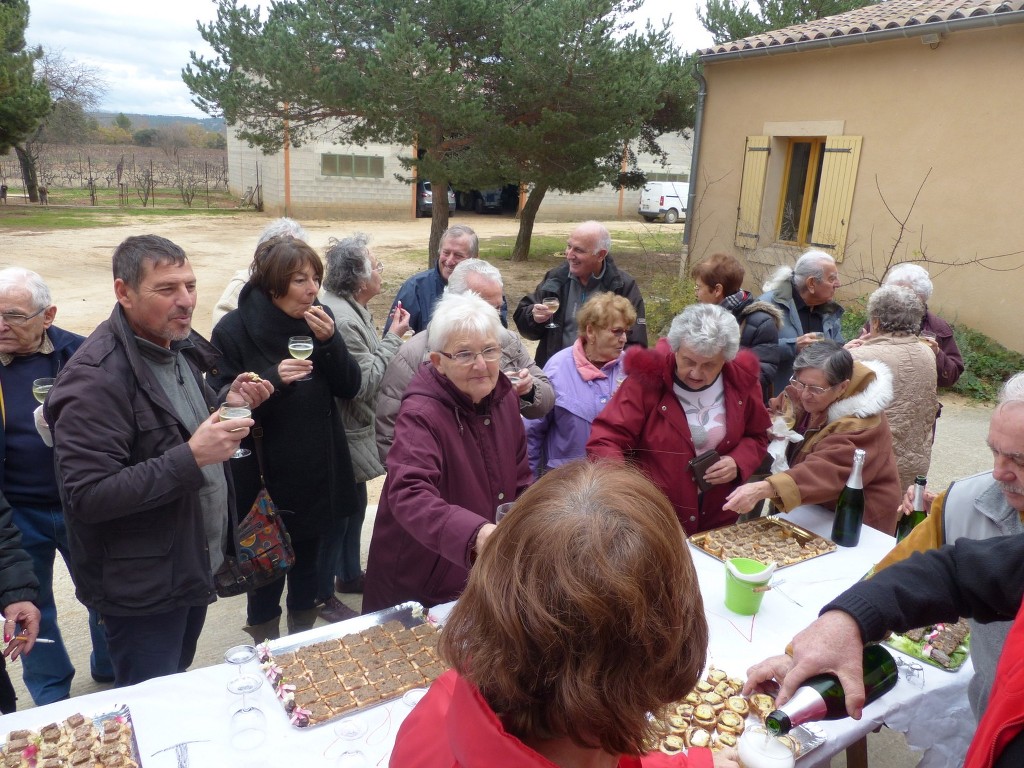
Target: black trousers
(144, 647)
(8, 700)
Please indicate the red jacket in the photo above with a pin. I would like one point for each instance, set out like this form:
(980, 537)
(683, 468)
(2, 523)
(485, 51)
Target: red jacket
(1004, 716)
(453, 727)
(645, 423)
(449, 469)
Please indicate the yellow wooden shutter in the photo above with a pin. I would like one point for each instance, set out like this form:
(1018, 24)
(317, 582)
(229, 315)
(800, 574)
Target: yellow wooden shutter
(755, 167)
(835, 194)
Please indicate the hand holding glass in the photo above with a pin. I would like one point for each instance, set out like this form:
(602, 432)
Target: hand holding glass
(228, 412)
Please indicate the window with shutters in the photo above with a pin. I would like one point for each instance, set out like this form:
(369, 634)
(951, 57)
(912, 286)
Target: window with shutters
(811, 205)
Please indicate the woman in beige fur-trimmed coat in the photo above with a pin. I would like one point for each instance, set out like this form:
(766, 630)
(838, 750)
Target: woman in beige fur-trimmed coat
(895, 314)
(838, 405)
(352, 277)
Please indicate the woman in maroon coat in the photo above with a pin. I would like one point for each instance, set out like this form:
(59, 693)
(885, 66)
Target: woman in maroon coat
(459, 454)
(690, 395)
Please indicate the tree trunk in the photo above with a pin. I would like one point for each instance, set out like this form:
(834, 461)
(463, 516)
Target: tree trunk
(527, 216)
(438, 218)
(27, 158)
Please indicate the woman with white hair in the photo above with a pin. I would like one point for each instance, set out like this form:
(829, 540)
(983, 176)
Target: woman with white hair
(352, 276)
(459, 453)
(694, 396)
(895, 316)
(805, 296)
(934, 331)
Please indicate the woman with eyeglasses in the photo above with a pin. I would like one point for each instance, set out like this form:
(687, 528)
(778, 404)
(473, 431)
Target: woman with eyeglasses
(584, 376)
(689, 415)
(838, 405)
(352, 277)
(459, 453)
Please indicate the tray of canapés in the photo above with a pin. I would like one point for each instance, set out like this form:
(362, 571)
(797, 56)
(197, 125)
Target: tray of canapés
(767, 539)
(352, 665)
(715, 714)
(78, 741)
(945, 645)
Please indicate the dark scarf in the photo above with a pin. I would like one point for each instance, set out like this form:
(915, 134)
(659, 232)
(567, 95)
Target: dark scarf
(268, 326)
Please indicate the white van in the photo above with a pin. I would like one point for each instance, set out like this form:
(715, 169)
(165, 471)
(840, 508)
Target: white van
(664, 198)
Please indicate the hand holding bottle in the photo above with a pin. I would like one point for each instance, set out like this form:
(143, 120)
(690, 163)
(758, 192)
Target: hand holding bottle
(831, 644)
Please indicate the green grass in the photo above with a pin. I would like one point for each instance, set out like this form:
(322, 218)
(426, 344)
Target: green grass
(70, 217)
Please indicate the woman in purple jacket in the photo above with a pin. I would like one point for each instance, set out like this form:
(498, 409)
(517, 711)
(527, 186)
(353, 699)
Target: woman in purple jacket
(459, 454)
(585, 376)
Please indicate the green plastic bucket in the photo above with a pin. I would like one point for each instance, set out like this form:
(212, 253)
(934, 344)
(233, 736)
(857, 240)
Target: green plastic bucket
(743, 577)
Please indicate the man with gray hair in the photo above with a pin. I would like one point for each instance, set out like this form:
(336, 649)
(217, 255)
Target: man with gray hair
(982, 506)
(536, 396)
(805, 295)
(419, 294)
(588, 269)
(31, 348)
(228, 300)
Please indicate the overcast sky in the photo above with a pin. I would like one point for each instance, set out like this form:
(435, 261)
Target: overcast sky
(140, 47)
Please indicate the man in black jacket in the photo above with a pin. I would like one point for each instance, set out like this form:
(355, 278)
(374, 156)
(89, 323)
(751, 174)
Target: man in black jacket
(142, 463)
(588, 270)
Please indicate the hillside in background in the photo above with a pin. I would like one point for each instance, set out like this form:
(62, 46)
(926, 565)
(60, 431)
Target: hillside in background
(215, 124)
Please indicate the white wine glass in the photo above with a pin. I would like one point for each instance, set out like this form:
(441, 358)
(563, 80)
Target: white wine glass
(41, 388)
(240, 655)
(301, 348)
(552, 304)
(229, 412)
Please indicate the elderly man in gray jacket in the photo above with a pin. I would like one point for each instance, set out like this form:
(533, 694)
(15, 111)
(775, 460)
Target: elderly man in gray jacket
(536, 396)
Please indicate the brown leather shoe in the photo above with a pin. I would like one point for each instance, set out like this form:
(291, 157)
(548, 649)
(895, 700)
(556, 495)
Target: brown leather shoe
(334, 610)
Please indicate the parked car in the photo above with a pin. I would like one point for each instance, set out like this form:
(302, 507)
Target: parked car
(664, 198)
(425, 199)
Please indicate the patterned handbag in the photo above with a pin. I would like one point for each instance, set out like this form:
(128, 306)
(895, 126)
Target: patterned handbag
(263, 548)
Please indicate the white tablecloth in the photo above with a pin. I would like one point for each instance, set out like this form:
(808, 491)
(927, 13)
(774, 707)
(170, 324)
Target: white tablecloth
(195, 706)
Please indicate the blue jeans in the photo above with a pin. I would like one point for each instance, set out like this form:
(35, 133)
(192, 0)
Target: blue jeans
(48, 670)
(340, 548)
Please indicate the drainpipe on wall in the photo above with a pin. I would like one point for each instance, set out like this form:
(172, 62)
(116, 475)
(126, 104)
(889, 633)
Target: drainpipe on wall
(698, 126)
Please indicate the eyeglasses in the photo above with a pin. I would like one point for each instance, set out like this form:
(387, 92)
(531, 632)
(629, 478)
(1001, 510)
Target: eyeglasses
(800, 387)
(490, 355)
(16, 318)
(379, 267)
(618, 331)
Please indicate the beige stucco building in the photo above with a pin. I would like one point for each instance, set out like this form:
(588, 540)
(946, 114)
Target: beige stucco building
(885, 134)
(322, 178)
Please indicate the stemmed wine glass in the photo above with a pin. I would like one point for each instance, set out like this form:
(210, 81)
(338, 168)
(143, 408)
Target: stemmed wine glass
(240, 655)
(248, 727)
(352, 759)
(301, 348)
(551, 303)
(351, 728)
(228, 412)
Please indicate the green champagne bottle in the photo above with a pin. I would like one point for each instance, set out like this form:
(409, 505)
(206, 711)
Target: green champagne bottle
(850, 507)
(919, 513)
(822, 697)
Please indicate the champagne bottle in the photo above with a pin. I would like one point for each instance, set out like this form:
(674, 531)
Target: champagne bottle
(917, 516)
(850, 507)
(822, 697)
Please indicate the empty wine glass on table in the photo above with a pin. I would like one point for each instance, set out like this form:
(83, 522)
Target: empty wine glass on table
(552, 304)
(248, 729)
(301, 348)
(352, 759)
(228, 412)
(40, 388)
(351, 728)
(240, 655)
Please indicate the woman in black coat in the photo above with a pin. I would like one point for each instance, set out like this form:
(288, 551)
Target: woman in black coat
(307, 467)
